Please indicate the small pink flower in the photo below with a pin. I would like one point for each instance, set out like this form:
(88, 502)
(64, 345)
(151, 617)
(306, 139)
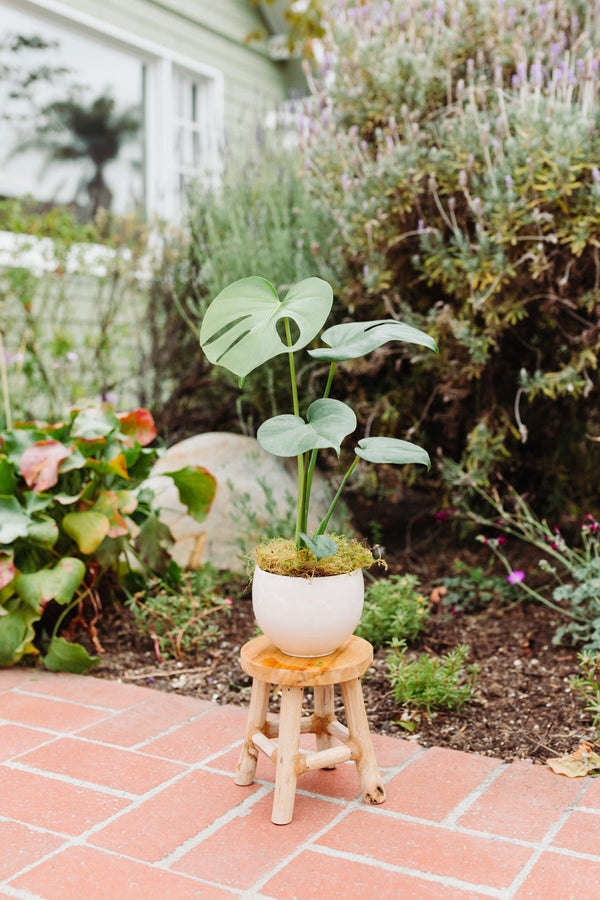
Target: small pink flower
(516, 576)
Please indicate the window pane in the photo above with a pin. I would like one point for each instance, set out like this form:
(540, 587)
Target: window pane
(72, 136)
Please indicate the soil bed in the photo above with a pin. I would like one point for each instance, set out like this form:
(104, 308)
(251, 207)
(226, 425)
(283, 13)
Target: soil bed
(523, 706)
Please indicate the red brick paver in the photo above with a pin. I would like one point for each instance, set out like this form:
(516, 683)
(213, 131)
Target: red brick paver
(112, 790)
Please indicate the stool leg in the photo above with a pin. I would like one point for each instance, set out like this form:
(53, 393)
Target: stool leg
(358, 727)
(257, 716)
(324, 712)
(288, 751)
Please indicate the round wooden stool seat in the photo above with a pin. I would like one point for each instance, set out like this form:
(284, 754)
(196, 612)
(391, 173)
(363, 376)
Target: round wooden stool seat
(261, 659)
(336, 743)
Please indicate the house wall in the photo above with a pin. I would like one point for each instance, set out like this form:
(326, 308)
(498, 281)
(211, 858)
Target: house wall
(209, 32)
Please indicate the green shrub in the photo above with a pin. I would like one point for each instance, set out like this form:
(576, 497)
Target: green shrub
(587, 684)
(261, 221)
(455, 154)
(394, 610)
(72, 507)
(572, 563)
(432, 683)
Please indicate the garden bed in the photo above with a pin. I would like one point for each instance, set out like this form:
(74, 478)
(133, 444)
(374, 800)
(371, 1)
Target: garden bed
(523, 706)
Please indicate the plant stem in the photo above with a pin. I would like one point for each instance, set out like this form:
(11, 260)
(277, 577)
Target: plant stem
(325, 522)
(300, 517)
(313, 458)
(5, 390)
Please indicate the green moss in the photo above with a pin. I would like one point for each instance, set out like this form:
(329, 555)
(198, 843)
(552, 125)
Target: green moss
(280, 557)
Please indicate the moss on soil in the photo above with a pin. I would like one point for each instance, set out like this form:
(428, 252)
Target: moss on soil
(280, 557)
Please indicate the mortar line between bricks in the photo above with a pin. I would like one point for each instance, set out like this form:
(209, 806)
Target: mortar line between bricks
(307, 844)
(110, 713)
(68, 779)
(19, 893)
(460, 809)
(543, 844)
(453, 830)
(445, 880)
(593, 810)
(172, 728)
(77, 842)
(239, 811)
(51, 697)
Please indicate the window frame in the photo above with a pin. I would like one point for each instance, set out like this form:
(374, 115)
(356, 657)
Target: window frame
(161, 66)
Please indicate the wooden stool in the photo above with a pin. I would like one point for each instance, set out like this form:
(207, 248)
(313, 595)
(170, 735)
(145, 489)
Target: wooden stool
(269, 666)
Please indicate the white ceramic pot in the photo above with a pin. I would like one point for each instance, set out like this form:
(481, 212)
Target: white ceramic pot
(307, 616)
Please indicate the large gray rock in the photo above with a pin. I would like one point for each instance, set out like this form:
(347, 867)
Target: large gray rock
(254, 491)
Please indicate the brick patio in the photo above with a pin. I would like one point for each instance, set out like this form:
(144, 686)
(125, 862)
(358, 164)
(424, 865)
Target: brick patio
(110, 791)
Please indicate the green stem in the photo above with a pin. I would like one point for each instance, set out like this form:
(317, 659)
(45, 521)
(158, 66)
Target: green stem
(300, 517)
(329, 380)
(65, 611)
(5, 390)
(313, 459)
(325, 522)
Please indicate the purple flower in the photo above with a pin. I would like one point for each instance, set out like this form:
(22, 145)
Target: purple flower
(515, 577)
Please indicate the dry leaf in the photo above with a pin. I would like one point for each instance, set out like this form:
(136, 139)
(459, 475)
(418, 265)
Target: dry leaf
(581, 762)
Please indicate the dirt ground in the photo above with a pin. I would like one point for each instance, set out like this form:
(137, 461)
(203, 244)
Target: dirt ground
(523, 706)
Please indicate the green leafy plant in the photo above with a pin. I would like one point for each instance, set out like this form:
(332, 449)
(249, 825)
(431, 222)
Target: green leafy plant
(587, 684)
(473, 587)
(429, 682)
(247, 325)
(72, 506)
(394, 610)
(573, 566)
(177, 611)
(453, 150)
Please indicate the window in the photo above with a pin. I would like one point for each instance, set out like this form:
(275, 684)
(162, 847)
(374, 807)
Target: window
(165, 115)
(194, 149)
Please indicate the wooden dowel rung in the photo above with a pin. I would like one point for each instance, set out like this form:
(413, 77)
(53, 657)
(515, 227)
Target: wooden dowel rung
(263, 743)
(271, 729)
(337, 730)
(322, 759)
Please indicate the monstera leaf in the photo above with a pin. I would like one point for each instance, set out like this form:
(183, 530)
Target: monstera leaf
(327, 424)
(352, 340)
(240, 328)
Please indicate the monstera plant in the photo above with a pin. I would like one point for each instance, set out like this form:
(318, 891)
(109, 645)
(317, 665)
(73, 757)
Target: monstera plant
(247, 325)
(71, 507)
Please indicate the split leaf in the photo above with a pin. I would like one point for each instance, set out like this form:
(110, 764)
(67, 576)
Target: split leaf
(352, 340)
(240, 328)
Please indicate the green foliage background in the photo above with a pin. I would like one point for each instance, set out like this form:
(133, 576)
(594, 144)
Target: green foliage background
(455, 156)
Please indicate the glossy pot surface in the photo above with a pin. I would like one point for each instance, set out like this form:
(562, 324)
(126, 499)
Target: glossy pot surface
(307, 616)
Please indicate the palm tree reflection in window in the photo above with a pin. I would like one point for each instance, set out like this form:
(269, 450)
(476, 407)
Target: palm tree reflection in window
(70, 130)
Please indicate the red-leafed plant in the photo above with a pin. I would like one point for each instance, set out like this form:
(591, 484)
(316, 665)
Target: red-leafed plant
(72, 506)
